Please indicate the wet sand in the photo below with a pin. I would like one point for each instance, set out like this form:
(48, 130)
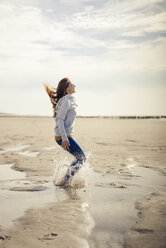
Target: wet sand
(133, 199)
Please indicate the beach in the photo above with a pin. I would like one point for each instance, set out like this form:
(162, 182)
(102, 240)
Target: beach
(123, 203)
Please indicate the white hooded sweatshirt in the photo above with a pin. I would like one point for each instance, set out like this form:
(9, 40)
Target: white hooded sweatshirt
(65, 116)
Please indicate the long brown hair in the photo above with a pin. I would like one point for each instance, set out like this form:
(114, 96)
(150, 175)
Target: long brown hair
(56, 93)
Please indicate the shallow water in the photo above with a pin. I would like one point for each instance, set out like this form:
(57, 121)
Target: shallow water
(6, 173)
(18, 193)
(112, 203)
(109, 199)
(29, 154)
(20, 148)
(16, 148)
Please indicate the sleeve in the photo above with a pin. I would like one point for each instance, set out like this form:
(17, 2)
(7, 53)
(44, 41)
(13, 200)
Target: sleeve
(61, 115)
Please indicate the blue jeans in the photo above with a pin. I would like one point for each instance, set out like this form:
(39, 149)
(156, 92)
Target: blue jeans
(76, 151)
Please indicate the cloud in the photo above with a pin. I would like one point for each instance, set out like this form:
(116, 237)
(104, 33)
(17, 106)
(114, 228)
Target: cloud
(101, 45)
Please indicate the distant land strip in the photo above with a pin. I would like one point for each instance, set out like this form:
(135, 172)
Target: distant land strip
(127, 117)
(93, 116)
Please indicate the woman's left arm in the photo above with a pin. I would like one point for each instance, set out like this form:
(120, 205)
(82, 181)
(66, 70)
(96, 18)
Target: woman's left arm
(61, 115)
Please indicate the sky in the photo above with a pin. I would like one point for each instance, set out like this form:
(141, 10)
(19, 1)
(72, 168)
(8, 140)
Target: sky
(112, 50)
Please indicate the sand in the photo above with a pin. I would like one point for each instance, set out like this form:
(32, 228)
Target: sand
(112, 147)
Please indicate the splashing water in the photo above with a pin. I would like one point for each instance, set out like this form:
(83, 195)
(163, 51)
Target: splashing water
(79, 180)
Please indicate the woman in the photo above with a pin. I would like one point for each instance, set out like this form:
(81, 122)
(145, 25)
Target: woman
(64, 112)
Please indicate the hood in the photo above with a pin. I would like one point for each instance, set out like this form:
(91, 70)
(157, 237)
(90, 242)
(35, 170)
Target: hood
(70, 97)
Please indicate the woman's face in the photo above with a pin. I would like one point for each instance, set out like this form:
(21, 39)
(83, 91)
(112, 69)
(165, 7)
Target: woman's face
(71, 88)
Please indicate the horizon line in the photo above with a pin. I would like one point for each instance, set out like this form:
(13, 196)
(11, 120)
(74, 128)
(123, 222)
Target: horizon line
(88, 116)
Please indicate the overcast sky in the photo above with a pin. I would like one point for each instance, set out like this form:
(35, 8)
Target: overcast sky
(112, 50)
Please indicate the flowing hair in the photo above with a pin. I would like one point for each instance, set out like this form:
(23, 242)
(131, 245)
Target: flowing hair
(56, 93)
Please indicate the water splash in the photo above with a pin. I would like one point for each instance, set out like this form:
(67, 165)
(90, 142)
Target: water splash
(79, 180)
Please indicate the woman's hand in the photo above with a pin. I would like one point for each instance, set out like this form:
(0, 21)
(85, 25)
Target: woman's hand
(65, 145)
